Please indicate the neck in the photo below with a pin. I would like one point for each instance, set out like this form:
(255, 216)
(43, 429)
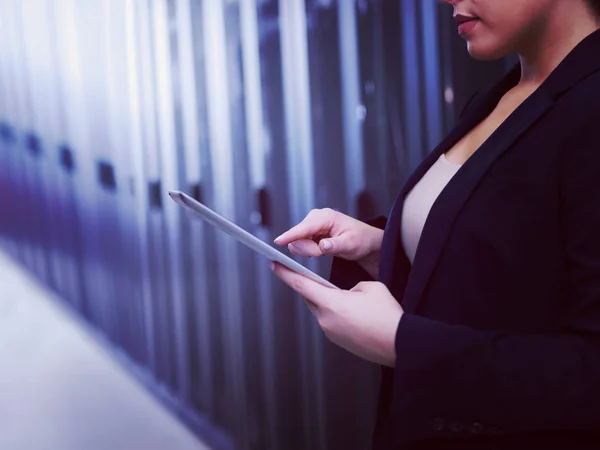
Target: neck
(553, 41)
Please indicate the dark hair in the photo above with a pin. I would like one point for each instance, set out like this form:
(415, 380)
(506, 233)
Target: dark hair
(594, 6)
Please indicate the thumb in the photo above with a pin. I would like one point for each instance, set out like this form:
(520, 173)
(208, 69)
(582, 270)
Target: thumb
(334, 245)
(367, 286)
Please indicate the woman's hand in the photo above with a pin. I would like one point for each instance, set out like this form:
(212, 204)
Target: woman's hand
(363, 320)
(329, 232)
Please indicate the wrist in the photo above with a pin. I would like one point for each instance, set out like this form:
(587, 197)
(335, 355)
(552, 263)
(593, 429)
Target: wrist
(370, 262)
(375, 240)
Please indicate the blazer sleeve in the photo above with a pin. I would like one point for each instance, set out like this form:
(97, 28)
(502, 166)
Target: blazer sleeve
(504, 382)
(347, 274)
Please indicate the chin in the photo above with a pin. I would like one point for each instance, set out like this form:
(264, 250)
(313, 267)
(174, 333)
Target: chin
(482, 52)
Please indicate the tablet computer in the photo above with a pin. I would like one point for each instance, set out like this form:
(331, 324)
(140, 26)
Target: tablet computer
(246, 238)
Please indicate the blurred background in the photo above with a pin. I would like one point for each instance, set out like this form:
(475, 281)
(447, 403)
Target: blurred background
(261, 109)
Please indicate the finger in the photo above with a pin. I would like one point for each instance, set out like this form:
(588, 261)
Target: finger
(305, 248)
(360, 287)
(319, 247)
(374, 287)
(335, 245)
(312, 291)
(313, 308)
(316, 222)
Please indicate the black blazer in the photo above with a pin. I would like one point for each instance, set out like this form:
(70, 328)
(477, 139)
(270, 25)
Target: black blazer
(500, 340)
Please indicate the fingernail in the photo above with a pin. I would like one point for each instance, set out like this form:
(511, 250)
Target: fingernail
(327, 245)
(277, 238)
(271, 265)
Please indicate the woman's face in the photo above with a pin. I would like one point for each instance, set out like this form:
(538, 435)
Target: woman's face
(496, 28)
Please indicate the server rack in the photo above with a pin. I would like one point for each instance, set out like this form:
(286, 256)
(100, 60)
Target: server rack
(262, 109)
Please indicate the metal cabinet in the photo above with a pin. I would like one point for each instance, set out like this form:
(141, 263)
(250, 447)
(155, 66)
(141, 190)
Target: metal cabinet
(263, 110)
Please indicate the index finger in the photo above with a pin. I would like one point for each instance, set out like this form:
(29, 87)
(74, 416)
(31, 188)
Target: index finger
(316, 222)
(312, 291)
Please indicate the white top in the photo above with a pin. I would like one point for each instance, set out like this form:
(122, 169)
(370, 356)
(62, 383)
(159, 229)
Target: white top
(419, 201)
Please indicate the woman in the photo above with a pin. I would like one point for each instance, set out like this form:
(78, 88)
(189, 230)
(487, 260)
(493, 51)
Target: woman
(489, 329)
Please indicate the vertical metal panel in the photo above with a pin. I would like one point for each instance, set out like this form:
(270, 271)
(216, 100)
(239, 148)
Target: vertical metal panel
(162, 320)
(327, 105)
(8, 238)
(170, 177)
(109, 180)
(338, 116)
(117, 258)
(88, 120)
(77, 119)
(203, 346)
(134, 49)
(247, 216)
(446, 25)
(297, 104)
(19, 109)
(159, 323)
(25, 121)
(68, 264)
(146, 168)
(287, 379)
(353, 108)
(221, 154)
(299, 152)
(113, 77)
(257, 151)
(124, 261)
(187, 92)
(433, 88)
(8, 162)
(413, 106)
(48, 126)
(382, 163)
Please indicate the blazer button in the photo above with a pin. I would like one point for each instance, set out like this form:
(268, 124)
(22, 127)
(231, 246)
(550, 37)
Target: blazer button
(438, 424)
(476, 428)
(456, 427)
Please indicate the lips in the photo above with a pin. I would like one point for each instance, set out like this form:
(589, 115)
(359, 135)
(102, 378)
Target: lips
(466, 24)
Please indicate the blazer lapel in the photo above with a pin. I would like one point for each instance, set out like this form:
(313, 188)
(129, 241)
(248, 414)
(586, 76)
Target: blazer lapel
(394, 265)
(449, 203)
(407, 283)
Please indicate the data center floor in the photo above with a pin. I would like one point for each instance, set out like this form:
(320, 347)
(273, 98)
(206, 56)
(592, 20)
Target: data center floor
(61, 390)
